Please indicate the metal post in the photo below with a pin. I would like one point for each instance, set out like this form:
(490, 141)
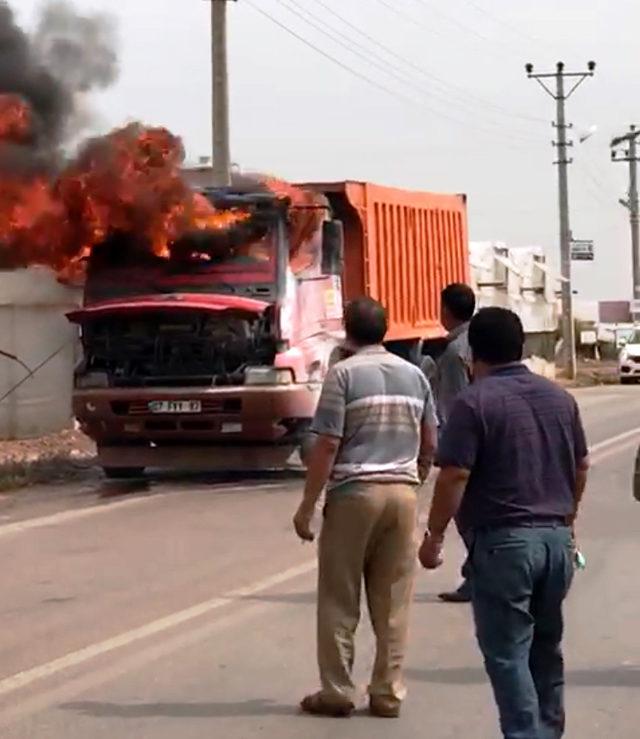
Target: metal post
(568, 328)
(220, 91)
(561, 96)
(633, 214)
(631, 156)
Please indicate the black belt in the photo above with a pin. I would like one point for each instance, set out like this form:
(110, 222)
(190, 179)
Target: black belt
(548, 522)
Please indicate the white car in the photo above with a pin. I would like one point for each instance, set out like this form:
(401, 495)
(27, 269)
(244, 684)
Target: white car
(629, 360)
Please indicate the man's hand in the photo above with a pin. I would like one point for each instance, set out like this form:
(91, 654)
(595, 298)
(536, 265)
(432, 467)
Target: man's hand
(430, 553)
(302, 522)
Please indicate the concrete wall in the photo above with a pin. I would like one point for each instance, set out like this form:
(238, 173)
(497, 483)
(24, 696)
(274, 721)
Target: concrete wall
(34, 329)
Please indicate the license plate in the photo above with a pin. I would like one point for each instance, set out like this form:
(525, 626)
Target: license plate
(175, 406)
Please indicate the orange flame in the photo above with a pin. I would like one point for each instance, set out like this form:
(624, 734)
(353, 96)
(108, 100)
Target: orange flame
(306, 214)
(205, 216)
(16, 122)
(128, 181)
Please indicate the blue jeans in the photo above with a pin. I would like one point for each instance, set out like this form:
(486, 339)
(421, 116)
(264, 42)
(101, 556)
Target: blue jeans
(521, 577)
(466, 569)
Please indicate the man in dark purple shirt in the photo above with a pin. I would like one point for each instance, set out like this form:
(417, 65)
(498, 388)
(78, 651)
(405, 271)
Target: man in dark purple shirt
(513, 462)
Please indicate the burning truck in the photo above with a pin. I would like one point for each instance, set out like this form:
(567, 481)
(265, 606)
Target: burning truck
(212, 353)
(210, 317)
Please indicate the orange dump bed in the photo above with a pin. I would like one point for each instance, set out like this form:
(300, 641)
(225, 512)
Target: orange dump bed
(402, 248)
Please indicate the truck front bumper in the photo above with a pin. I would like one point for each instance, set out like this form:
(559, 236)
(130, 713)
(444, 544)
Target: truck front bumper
(235, 416)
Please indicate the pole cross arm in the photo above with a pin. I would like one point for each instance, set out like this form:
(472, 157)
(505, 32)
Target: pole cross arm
(622, 139)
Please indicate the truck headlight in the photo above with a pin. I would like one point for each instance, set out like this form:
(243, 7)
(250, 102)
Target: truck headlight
(268, 376)
(92, 380)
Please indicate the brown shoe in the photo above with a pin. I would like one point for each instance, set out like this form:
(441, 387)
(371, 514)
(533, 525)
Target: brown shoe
(379, 709)
(318, 705)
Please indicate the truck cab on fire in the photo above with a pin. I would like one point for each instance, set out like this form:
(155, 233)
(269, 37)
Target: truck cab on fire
(213, 354)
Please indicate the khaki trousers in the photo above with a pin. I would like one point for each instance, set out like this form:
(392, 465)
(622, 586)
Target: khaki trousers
(368, 534)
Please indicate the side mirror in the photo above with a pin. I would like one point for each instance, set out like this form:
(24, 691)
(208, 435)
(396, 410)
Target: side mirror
(332, 248)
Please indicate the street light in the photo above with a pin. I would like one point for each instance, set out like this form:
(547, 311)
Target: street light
(588, 134)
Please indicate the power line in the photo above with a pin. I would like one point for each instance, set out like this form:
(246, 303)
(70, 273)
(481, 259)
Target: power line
(328, 56)
(373, 82)
(595, 180)
(353, 47)
(375, 60)
(499, 21)
(594, 187)
(458, 24)
(450, 87)
(603, 176)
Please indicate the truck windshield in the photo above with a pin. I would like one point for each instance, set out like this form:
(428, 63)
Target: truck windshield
(235, 262)
(228, 262)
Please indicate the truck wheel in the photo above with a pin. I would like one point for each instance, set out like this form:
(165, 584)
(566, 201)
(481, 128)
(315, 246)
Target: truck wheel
(123, 473)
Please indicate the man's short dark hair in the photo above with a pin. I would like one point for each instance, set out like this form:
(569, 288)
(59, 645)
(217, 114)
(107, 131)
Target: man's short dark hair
(460, 301)
(365, 321)
(496, 336)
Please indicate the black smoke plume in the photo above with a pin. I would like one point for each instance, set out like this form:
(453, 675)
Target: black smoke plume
(67, 56)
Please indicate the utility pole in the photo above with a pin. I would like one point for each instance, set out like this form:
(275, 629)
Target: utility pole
(630, 154)
(220, 92)
(561, 96)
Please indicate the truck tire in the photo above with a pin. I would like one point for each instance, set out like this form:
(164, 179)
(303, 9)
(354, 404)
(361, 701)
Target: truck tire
(123, 473)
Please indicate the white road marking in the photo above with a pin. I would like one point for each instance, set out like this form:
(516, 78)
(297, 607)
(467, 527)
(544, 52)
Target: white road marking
(615, 440)
(598, 453)
(79, 657)
(586, 403)
(48, 669)
(62, 517)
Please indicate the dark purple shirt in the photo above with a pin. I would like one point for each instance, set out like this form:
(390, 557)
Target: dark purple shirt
(522, 438)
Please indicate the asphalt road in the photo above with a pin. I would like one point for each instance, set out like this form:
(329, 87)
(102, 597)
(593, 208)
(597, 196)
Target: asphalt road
(185, 608)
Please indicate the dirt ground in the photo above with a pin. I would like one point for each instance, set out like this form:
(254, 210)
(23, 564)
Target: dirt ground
(591, 373)
(67, 454)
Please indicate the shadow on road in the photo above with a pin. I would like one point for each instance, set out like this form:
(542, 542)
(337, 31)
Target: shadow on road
(311, 597)
(426, 598)
(218, 482)
(111, 489)
(609, 677)
(256, 707)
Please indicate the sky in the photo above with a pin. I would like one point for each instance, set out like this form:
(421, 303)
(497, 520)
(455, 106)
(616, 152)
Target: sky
(411, 93)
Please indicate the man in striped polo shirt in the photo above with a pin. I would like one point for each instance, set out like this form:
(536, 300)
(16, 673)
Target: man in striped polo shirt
(376, 436)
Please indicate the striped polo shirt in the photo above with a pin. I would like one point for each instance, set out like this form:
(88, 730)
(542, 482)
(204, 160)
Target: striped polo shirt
(376, 403)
